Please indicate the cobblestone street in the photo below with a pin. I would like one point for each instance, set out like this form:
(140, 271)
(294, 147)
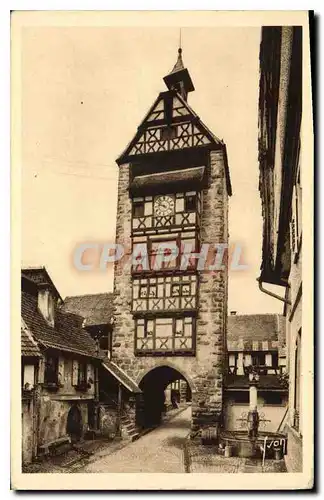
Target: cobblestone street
(165, 449)
(159, 451)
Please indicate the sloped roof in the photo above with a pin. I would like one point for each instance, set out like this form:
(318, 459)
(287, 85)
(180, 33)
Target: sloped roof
(67, 333)
(28, 345)
(179, 64)
(39, 275)
(184, 176)
(191, 116)
(96, 309)
(255, 332)
(121, 375)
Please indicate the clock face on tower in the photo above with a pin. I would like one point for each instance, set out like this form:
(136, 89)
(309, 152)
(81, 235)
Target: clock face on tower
(164, 205)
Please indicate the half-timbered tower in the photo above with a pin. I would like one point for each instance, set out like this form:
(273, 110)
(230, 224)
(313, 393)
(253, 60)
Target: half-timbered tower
(170, 314)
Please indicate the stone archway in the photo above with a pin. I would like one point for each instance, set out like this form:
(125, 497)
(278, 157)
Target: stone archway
(153, 384)
(168, 364)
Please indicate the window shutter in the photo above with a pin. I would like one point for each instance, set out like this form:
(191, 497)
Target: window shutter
(61, 371)
(248, 359)
(41, 370)
(75, 369)
(90, 372)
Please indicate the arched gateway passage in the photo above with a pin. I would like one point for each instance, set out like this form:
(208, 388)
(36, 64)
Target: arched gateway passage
(154, 385)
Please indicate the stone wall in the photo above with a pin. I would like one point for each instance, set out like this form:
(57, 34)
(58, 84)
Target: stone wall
(204, 371)
(53, 418)
(27, 409)
(108, 422)
(54, 406)
(294, 457)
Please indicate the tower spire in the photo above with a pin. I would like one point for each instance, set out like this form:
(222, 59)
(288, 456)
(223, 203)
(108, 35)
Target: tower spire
(179, 64)
(179, 78)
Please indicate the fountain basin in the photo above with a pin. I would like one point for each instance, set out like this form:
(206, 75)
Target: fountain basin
(245, 447)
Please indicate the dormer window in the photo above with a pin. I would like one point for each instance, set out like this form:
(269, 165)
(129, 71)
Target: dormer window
(46, 305)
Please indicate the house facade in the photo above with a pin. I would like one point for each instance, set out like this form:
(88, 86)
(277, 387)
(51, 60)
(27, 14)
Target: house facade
(170, 319)
(256, 341)
(280, 116)
(117, 392)
(30, 357)
(60, 374)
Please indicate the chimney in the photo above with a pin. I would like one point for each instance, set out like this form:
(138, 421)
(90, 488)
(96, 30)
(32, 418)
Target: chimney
(233, 313)
(46, 305)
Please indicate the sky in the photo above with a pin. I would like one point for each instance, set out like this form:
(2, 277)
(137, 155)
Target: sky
(84, 92)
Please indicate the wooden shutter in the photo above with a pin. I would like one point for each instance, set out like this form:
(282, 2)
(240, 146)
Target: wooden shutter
(60, 375)
(75, 370)
(90, 374)
(41, 370)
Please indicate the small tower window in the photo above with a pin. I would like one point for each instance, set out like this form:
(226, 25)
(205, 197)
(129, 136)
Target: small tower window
(190, 203)
(169, 133)
(138, 209)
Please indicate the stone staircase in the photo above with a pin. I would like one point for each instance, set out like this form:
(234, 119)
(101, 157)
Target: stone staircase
(129, 428)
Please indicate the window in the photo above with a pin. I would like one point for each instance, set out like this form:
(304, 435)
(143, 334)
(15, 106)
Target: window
(138, 209)
(82, 373)
(168, 133)
(275, 359)
(190, 203)
(180, 289)
(147, 291)
(51, 370)
(240, 397)
(258, 359)
(166, 335)
(163, 254)
(105, 344)
(165, 327)
(232, 363)
(271, 398)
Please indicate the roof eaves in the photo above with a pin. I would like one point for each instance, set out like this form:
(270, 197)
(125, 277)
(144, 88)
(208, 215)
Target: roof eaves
(61, 347)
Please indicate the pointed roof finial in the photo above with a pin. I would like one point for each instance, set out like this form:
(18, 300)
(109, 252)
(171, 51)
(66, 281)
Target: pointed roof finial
(179, 76)
(179, 64)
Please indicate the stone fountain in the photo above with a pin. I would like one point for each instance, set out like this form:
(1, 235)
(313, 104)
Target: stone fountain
(252, 443)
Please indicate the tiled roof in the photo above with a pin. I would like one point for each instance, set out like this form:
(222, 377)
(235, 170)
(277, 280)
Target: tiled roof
(97, 309)
(242, 382)
(28, 345)
(67, 335)
(122, 376)
(187, 175)
(40, 276)
(255, 332)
